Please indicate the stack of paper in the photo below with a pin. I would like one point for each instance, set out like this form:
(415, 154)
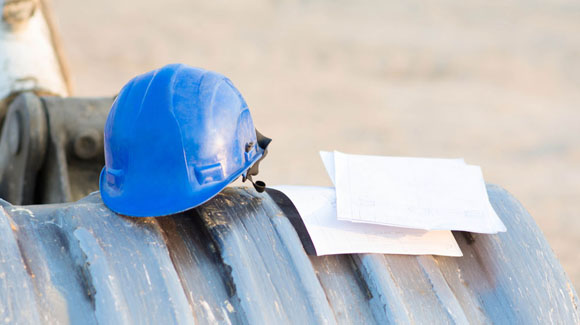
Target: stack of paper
(394, 205)
(317, 207)
(419, 193)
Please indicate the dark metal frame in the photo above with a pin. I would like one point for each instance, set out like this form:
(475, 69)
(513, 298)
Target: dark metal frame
(51, 148)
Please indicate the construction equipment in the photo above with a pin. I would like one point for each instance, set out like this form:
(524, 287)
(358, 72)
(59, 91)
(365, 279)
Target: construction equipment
(235, 259)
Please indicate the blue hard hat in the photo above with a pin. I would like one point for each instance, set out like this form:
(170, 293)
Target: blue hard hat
(174, 138)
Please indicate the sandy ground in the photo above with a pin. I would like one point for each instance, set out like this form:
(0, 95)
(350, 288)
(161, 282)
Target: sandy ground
(496, 83)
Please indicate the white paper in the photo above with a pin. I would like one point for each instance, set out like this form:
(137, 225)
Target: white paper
(328, 161)
(317, 207)
(418, 193)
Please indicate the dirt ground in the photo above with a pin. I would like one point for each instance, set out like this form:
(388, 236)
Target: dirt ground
(496, 83)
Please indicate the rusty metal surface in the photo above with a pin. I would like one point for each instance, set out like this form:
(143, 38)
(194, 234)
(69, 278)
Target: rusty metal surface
(237, 259)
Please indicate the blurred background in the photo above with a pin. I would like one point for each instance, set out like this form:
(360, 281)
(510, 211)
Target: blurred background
(497, 83)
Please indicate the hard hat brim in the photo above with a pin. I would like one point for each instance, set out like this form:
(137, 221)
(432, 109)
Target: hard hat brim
(157, 206)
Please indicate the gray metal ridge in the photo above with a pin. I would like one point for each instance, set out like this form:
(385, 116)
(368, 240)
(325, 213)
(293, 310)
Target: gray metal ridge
(238, 259)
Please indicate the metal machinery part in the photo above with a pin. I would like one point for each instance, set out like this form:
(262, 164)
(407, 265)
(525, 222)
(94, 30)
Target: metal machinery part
(237, 259)
(51, 148)
(30, 53)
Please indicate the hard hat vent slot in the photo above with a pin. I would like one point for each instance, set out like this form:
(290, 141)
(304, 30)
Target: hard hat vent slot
(114, 177)
(250, 151)
(209, 173)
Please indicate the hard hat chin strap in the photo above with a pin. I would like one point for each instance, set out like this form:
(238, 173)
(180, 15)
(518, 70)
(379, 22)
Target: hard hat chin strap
(263, 143)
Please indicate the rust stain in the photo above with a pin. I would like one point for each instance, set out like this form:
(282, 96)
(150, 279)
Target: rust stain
(572, 296)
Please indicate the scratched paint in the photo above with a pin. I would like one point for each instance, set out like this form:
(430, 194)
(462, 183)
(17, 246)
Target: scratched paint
(81, 263)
